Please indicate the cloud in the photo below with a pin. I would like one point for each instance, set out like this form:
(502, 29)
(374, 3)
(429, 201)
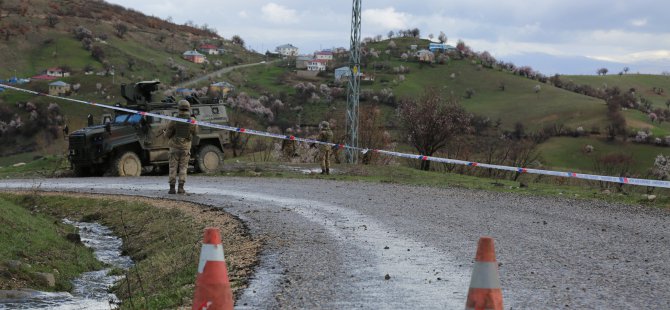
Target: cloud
(242, 14)
(639, 22)
(655, 55)
(278, 14)
(386, 18)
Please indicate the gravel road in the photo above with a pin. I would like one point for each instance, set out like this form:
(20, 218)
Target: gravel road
(330, 244)
(215, 74)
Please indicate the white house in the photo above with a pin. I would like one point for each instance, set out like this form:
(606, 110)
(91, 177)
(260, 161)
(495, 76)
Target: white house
(209, 49)
(316, 65)
(287, 50)
(56, 72)
(324, 55)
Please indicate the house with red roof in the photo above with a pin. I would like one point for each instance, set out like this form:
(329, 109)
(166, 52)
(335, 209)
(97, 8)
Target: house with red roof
(317, 65)
(209, 49)
(194, 56)
(324, 55)
(56, 72)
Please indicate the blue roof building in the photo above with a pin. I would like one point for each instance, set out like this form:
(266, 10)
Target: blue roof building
(433, 47)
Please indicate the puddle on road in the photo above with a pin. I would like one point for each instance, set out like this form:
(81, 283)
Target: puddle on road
(91, 288)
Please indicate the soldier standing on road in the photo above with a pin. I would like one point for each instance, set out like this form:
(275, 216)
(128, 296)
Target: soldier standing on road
(325, 135)
(180, 135)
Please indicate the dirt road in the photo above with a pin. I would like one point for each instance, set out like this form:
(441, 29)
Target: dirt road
(215, 74)
(330, 244)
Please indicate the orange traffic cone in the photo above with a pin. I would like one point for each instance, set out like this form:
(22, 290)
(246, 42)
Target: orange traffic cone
(212, 288)
(485, 292)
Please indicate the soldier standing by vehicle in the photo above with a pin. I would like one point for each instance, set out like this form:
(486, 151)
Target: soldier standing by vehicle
(180, 135)
(325, 135)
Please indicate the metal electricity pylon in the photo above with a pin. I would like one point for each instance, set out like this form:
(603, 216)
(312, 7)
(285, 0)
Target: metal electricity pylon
(353, 90)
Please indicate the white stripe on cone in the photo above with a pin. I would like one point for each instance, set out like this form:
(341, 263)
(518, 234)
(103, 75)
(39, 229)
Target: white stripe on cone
(485, 275)
(210, 252)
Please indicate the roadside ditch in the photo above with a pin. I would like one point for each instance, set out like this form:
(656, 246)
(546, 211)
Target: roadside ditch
(162, 237)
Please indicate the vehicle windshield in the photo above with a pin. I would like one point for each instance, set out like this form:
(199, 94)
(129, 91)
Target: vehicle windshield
(128, 118)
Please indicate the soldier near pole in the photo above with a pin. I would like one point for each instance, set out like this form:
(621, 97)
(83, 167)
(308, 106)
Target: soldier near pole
(325, 135)
(180, 135)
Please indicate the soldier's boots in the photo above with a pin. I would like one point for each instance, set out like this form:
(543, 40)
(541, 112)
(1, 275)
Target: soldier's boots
(181, 188)
(172, 191)
(328, 171)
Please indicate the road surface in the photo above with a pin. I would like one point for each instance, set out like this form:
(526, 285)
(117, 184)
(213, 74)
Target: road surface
(216, 74)
(330, 244)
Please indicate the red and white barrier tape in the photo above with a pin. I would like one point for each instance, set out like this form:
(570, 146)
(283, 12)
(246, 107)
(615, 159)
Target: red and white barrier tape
(592, 177)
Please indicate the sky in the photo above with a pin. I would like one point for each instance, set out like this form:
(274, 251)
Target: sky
(552, 36)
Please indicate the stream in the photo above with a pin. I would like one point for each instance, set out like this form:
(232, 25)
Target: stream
(90, 288)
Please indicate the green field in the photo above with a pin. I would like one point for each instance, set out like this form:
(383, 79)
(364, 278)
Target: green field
(518, 103)
(566, 153)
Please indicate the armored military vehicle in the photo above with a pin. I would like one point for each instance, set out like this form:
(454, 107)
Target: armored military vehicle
(127, 144)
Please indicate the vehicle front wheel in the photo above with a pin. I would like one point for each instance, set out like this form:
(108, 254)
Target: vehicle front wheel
(126, 164)
(209, 159)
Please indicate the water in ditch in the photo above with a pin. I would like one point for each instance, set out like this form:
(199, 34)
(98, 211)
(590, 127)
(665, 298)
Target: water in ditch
(91, 289)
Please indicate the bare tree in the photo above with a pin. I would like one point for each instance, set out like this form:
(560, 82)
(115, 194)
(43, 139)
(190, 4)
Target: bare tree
(602, 71)
(390, 34)
(431, 36)
(431, 120)
(625, 70)
(238, 40)
(442, 37)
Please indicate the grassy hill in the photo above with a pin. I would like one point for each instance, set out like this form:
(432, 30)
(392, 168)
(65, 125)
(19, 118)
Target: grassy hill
(644, 85)
(517, 103)
(41, 34)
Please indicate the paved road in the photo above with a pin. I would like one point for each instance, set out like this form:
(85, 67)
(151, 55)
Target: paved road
(215, 74)
(330, 244)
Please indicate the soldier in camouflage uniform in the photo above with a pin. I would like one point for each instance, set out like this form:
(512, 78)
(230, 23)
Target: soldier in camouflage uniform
(180, 135)
(289, 147)
(325, 135)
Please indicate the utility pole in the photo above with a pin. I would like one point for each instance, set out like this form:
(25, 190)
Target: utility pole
(353, 89)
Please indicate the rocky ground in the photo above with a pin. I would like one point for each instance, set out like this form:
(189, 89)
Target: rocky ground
(331, 244)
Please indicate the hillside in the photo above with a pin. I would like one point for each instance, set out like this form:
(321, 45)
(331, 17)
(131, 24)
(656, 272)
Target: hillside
(489, 91)
(101, 45)
(645, 85)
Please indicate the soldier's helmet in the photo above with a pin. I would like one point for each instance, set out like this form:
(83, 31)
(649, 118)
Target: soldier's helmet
(324, 125)
(183, 105)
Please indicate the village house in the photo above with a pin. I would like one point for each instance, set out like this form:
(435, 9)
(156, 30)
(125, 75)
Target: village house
(342, 73)
(443, 47)
(209, 49)
(324, 55)
(340, 51)
(220, 89)
(59, 88)
(56, 72)
(301, 62)
(287, 50)
(194, 56)
(316, 65)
